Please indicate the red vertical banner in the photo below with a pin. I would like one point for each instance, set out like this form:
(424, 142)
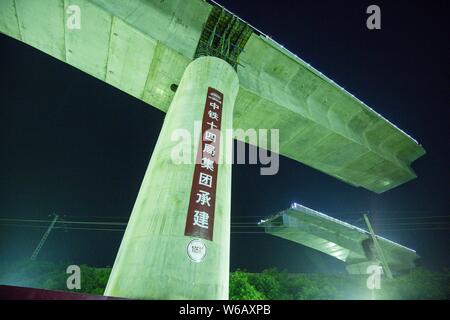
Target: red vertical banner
(200, 217)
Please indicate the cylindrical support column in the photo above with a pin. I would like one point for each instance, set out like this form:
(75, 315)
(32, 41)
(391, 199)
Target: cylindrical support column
(176, 245)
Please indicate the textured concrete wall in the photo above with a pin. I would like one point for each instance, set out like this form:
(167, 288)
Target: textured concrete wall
(152, 261)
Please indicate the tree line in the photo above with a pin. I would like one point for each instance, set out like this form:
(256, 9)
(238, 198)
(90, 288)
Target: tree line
(271, 284)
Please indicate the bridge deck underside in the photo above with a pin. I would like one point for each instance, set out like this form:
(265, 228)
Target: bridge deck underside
(143, 47)
(335, 238)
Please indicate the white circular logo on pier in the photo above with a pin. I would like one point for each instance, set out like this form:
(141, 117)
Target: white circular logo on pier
(196, 250)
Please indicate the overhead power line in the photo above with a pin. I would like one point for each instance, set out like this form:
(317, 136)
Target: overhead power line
(234, 232)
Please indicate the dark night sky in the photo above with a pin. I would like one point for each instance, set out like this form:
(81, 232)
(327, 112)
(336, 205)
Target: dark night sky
(74, 145)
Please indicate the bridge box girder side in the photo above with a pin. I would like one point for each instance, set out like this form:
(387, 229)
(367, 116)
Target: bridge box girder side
(143, 47)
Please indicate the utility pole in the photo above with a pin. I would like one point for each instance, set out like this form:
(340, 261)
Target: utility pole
(378, 248)
(44, 238)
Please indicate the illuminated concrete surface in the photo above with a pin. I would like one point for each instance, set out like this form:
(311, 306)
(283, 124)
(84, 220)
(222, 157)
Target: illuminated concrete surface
(142, 47)
(152, 261)
(338, 239)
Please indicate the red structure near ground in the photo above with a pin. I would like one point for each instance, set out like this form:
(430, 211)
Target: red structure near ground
(23, 293)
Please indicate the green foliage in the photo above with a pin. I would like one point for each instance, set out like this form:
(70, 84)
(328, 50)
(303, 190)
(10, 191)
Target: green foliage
(419, 284)
(270, 284)
(241, 289)
(314, 287)
(31, 273)
(53, 276)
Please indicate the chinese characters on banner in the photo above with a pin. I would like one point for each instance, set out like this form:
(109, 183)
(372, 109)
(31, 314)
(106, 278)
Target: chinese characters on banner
(200, 217)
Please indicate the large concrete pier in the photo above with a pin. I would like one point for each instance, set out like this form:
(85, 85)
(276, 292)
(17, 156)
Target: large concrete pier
(153, 260)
